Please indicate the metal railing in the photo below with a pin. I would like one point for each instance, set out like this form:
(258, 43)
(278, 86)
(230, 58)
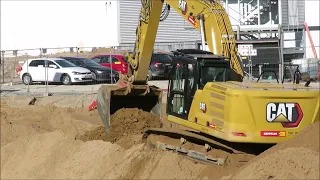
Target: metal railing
(267, 60)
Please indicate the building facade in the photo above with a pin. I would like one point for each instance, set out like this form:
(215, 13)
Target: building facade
(263, 23)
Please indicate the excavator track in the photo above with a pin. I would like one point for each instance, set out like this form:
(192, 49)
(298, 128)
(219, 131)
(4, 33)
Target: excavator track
(185, 136)
(187, 152)
(191, 137)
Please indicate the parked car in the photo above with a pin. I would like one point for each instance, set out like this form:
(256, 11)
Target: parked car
(99, 73)
(160, 65)
(118, 62)
(58, 70)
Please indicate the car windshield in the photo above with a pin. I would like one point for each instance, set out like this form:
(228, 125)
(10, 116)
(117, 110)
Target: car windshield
(89, 62)
(161, 57)
(65, 63)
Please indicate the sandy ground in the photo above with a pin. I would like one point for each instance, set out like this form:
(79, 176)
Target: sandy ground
(38, 142)
(58, 138)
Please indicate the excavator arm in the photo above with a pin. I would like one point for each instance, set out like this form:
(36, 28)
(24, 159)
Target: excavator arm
(132, 91)
(207, 16)
(228, 111)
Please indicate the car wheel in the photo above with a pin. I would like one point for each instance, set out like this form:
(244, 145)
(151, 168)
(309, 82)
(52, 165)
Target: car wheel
(26, 78)
(66, 80)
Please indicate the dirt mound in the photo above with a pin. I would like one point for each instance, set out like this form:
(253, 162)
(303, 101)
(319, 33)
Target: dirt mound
(126, 127)
(98, 133)
(65, 101)
(37, 142)
(297, 158)
(131, 121)
(27, 121)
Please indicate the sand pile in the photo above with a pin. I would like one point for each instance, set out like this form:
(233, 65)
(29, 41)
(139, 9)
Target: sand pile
(38, 142)
(297, 158)
(126, 127)
(49, 142)
(70, 101)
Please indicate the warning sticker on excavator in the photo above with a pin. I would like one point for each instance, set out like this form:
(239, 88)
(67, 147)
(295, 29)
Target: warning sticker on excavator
(192, 21)
(288, 114)
(273, 133)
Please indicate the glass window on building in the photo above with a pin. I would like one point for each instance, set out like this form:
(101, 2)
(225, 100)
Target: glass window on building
(269, 12)
(252, 12)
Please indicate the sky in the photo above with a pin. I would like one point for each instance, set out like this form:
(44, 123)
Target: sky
(35, 24)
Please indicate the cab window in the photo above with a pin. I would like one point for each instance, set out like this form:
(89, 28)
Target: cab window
(213, 74)
(181, 90)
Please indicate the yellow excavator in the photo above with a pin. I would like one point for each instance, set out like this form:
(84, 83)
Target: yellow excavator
(206, 91)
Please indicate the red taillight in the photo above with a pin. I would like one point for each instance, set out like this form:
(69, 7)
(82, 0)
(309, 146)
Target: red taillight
(155, 63)
(238, 134)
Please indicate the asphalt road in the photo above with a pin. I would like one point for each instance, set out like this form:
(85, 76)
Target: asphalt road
(38, 90)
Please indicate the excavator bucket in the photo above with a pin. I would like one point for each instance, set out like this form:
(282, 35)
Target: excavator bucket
(112, 98)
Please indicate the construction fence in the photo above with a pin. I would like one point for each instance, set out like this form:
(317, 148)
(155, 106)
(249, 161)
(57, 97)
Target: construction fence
(263, 63)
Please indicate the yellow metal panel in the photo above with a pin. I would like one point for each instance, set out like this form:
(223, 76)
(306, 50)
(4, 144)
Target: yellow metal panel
(247, 111)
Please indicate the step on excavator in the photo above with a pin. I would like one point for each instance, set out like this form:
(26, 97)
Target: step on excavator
(207, 94)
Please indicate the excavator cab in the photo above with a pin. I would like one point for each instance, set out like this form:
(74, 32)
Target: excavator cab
(191, 70)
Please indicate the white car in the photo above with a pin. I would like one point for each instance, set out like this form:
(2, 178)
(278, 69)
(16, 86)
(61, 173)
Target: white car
(58, 70)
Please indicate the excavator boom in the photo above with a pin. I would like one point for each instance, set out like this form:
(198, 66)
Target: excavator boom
(205, 92)
(208, 17)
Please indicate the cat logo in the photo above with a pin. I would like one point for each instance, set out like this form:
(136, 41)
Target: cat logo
(288, 114)
(183, 6)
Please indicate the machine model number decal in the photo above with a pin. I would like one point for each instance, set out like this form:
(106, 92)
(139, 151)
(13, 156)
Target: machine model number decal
(288, 114)
(183, 6)
(203, 107)
(273, 133)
